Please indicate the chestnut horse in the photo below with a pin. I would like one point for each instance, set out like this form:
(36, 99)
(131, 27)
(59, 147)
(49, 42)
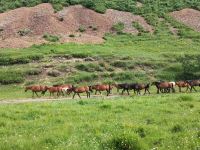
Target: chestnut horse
(64, 88)
(53, 90)
(182, 84)
(162, 85)
(36, 88)
(140, 87)
(103, 87)
(193, 83)
(78, 90)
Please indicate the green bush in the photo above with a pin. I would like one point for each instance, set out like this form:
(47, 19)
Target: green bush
(90, 67)
(51, 38)
(82, 29)
(11, 76)
(176, 128)
(119, 27)
(24, 32)
(33, 72)
(124, 142)
(10, 60)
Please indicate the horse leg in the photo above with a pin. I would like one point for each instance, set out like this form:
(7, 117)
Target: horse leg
(107, 92)
(158, 90)
(194, 89)
(79, 95)
(148, 91)
(74, 95)
(123, 91)
(145, 91)
(36, 94)
(179, 89)
(96, 92)
(128, 92)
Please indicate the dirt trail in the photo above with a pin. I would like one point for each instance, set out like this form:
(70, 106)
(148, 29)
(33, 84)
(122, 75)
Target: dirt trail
(36, 100)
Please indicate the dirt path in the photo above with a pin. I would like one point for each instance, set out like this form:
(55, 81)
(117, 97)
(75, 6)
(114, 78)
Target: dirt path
(36, 100)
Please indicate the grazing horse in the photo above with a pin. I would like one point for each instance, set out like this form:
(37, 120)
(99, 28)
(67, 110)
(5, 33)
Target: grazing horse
(166, 86)
(126, 87)
(182, 84)
(140, 87)
(52, 90)
(36, 88)
(78, 90)
(103, 87)
(193, 83)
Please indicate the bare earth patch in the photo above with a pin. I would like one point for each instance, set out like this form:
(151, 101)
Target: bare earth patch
(189, 17)
(24, 26)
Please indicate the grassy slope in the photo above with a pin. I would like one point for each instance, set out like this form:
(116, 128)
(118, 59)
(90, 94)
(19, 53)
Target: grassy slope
(164, 121)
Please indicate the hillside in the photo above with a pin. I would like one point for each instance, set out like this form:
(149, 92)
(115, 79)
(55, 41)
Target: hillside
(82, 42)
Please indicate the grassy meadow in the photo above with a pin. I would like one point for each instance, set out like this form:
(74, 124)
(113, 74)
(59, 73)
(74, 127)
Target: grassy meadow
(132, 123)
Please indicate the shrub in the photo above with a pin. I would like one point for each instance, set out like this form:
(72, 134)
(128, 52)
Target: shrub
(185, 98)
(33, 72)
(24, 32)
(53, 73)
(82, 29)
(176, 128)
(11, 76)
(119, 27)
(90, 67)
(140, 131)
(120, 64)
(124, 142)
(138, 27)
(51, 38)
(89, 4)
(71, 35)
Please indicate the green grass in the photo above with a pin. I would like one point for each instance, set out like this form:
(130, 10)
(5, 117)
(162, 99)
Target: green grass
(160, 121)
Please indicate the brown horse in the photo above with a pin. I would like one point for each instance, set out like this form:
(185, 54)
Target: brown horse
(37, 88)
(182, 84)
(78, 90)
(139, 87)
(193, 83)
(53, 90)
(103, 87)
(162, 85)
(64, 88)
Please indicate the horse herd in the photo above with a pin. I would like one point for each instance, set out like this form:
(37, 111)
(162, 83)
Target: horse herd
(162, 87)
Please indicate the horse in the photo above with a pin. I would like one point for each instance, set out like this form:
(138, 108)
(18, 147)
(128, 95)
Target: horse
(64, 88)
(182, 84)
(162, 85)
(103, 87)
(125, 87)
(36, 88)
(78, 90)
(140, 87)
(192, 84)
(52, 90)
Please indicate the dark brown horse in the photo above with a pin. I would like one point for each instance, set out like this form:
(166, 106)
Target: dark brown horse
(163, 86)
(182, 84)
(37, 88)
(193, 83)
(126, 87)
(140, 87)
(103, 87)
(78, 90)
